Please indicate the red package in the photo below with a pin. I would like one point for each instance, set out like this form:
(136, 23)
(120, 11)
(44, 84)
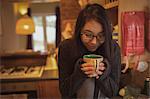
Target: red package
(132, 28)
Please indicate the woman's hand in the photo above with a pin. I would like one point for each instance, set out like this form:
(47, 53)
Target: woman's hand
(88, 67)
(100, 69)
(90, 70)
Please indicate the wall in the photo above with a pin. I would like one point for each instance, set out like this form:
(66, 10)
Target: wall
(0, 27)
(129, 5)
(10, 41)
(69, 11)
(43, 8)
(136, 5)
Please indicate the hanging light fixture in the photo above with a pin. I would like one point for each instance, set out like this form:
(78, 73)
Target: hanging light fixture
(25, 25)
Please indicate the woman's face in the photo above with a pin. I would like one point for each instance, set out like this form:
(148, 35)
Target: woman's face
(92, 35)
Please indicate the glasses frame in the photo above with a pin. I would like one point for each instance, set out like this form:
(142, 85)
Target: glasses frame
(90, 36)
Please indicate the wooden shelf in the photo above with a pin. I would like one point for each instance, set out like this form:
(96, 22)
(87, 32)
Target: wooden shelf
(111, 5)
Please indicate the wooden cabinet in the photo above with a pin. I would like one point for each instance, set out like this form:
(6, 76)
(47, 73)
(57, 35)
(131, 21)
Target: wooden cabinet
(48, 89)
(43, 89)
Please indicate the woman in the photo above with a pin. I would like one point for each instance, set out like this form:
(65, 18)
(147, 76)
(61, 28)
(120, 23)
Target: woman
(92, 36)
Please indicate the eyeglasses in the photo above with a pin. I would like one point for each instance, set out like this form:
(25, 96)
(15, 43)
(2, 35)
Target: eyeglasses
(90, 36)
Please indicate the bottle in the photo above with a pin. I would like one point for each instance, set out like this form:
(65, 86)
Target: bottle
(146, 90)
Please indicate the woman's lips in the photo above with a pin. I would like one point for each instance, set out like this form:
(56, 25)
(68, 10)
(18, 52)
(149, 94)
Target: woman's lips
(92, 47)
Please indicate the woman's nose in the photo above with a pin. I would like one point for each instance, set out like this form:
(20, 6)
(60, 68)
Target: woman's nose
(94, 40)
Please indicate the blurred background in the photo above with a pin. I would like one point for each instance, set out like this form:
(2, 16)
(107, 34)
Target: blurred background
(31, 31)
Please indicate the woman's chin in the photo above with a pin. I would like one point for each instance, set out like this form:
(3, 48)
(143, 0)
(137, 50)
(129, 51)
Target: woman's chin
(92, 49)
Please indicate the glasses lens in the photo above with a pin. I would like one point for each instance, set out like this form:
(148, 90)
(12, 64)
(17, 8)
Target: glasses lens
(100, 36)
(89, 35)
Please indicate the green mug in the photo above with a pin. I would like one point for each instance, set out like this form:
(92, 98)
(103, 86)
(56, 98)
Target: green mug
(97, 59)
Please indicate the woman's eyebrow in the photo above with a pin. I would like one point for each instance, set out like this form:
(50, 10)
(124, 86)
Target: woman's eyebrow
(92, 31)
(88, 31)
(101, 32)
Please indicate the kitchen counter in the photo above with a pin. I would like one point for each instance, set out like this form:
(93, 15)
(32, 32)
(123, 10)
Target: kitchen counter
(46, 86)
(47, 75)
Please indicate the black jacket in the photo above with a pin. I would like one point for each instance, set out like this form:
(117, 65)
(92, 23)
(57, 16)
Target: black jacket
(71, 77)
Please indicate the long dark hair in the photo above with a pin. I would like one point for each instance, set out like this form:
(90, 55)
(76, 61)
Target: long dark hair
(98, 13)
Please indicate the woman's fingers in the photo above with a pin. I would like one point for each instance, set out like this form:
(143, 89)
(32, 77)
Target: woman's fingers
(89, 64)
(87, 60)
(93, 75)
(89, 69)
(99, 72)
(101, 67)
(97, 76)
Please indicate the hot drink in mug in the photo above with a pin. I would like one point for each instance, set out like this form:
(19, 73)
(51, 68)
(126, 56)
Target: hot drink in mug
(95, 59)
